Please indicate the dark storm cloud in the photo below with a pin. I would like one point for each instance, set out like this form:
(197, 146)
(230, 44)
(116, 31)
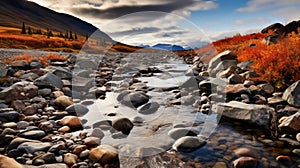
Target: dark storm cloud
(171, 34)
(118, 11)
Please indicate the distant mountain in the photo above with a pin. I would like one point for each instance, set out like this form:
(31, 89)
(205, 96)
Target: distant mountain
(14, 12)
(168, 47)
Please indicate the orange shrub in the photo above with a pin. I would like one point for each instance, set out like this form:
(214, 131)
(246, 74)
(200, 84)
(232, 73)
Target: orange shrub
(43, 59)
(277, 63)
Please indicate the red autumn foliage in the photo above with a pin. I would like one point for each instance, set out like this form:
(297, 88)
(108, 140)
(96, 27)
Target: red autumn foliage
(43, 59)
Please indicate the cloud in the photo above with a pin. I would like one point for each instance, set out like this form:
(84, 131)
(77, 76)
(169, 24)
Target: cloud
(289, 14)
(135, 31)
(255, 5)
(251, 21)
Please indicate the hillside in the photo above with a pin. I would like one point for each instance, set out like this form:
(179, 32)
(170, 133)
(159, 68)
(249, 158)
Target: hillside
(14, 12)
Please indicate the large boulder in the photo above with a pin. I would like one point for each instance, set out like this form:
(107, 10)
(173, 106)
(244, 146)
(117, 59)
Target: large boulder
(226, 55)
(19, 91)
(257, 114)
(49, 80)
(289, 28)
(272, 27)
(292, 94)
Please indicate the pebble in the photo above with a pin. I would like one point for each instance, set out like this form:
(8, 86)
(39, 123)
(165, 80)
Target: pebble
(70, 159)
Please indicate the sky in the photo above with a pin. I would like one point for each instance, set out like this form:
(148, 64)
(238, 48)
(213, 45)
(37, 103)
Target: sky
(189, 23)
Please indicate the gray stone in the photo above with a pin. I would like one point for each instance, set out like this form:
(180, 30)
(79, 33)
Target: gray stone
(49, 80)
(3, 69)
(292, 122)
(29, 76)
(63, 73)
(78, 109)
(188, 144)
(33, 134)
(149, 108)
(19, 91)
(292, 94)
(32, 147)
(257, 114)
(11, 116)
(177, 133)
(135, 100)
(226, 55)
(235, 79)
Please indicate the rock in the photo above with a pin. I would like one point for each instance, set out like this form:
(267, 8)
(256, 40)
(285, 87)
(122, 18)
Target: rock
(298, 137)
(292, 122)
(17, 141)
(57, 94)
(235, 79)
(97, 132)
(287, 29)
(3, 69)
(22, 124)
(257, 114)
(30, 110)
(123, 124)
(223, 65)
(63, 101)
(78, 109)
(6, 162)
(86, 64)
(267, 88)
(271, 39)
(35, 64)
(104, 154)
(46, 126)
(11, 116)
(282, 158)
(92, 141)
(292, 94)
(71, 121)
(33, 134)
(226, 55)
(63, 73)
(64, 129)
(19, 64)
(80, 148)
(44, 92)
(275, 100)
(272, 27)
(19, 91)
(188, 144)
(245, 162)
(9, 125)
(245, 66)
(134, 100)
(82, 84)
(32, 147)
(148, 108)
(47, 157)
(245, 152)
(18, 105)
(49, 80)
(177, 133)
(70, 159)
(29, 76)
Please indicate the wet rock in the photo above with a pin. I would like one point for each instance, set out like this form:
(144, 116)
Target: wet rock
(6, 162)
(19, 91)
(11, 116)
(71, 121)
(258, 114)
(103, 154)
(17, 141)
(33, 134)
(149, 108)
(245, 152)
(292, 122)
(292, 94)
(97, 132)
(70, 159)
(245, 162)
(78, 109)
(63, 101)
(134, 99)
(123, 124)
(49, 80)
(188, 144)
(32, 147)
(177, 133)
(63, 73)
(92, 141)
(235, 79)
(29, 76)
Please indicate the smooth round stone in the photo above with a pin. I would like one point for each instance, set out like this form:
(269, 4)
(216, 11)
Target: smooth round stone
(245, 152)
(123, 124)
(188, 144)
(33, 134)
(22, 124)
(245, 162)
(296, 151)
(97, 132)
(298, 137)
(9, 125)
(78, 149)
(70, 159)
(64, 129)
(64, 101)
(78, 109)
(104, 154)
(92, 141)
(177, 133)
(282, 158)
(149, 108)
(84, 154)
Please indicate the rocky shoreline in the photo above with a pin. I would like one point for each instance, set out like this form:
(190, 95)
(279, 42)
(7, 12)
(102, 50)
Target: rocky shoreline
(159, 117)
